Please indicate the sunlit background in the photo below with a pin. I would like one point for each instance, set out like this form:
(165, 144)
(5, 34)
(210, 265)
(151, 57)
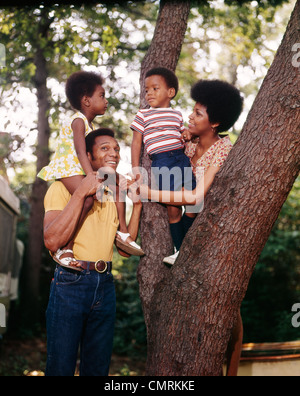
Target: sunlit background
(211, 50)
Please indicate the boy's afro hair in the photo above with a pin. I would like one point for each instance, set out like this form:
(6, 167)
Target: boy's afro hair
(222, 100)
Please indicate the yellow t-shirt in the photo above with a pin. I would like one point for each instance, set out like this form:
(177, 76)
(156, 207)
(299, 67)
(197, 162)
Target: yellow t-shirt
(95, 239)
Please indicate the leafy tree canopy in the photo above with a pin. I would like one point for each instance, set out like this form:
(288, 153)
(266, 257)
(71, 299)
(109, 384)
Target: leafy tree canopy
(194, 3)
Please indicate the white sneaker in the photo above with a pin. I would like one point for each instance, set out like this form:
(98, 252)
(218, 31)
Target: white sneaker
(171, 259)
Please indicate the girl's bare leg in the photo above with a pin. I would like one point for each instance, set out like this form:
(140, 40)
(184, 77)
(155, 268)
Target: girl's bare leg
(124, 241)
(121, 208)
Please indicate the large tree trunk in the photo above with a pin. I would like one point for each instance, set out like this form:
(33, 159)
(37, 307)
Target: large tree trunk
(164, 51)
(39, 188)
(194, 307)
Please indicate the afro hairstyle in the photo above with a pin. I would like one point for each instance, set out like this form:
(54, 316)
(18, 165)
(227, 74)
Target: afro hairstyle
(82, 83)
(169, 77)
(222, 100)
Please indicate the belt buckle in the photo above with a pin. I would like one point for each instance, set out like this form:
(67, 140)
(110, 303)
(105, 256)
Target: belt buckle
(105, 266)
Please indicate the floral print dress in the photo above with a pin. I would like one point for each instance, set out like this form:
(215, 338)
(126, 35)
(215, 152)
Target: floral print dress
(215, 156)
(65, 162)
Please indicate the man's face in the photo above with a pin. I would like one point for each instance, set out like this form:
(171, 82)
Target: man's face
(106, 154)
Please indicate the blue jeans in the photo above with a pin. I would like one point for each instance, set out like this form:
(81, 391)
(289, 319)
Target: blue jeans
(81, 312)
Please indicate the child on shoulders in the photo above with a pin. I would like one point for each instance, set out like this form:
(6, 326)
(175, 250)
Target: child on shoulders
(70, 163)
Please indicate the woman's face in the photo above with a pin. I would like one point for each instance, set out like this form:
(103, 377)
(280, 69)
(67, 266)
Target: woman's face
(199, 123)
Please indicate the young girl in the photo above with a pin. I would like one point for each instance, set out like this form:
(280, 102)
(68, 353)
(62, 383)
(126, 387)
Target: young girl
(70, 164)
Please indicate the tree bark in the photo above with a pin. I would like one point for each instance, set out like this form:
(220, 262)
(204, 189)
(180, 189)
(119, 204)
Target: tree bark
(194, 307)
(167, 41)
(164, 51)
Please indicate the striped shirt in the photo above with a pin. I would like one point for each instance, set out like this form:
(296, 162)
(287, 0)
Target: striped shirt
(161, 129)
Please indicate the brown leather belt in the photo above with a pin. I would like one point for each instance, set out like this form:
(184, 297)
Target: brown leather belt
(100, 266)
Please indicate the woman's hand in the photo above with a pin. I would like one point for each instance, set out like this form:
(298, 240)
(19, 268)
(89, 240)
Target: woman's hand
(144, 192)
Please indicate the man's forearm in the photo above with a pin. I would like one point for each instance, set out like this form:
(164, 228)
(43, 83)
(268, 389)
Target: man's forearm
(60, 228)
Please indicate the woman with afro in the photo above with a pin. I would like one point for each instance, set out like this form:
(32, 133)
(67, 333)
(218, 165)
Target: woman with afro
(217, 108)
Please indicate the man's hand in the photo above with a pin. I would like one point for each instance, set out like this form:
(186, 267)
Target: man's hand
(89, 185)
(125, 182)
(130, 184)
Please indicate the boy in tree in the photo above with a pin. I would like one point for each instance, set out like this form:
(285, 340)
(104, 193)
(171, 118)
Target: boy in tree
(160, 128)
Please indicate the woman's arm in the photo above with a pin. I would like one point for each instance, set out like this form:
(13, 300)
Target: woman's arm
(80, 145)
(185, 197)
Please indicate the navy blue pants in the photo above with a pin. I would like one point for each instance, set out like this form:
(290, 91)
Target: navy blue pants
(81, 312)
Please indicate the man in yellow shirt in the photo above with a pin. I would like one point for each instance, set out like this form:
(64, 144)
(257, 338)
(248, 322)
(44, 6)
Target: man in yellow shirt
(82, 305)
